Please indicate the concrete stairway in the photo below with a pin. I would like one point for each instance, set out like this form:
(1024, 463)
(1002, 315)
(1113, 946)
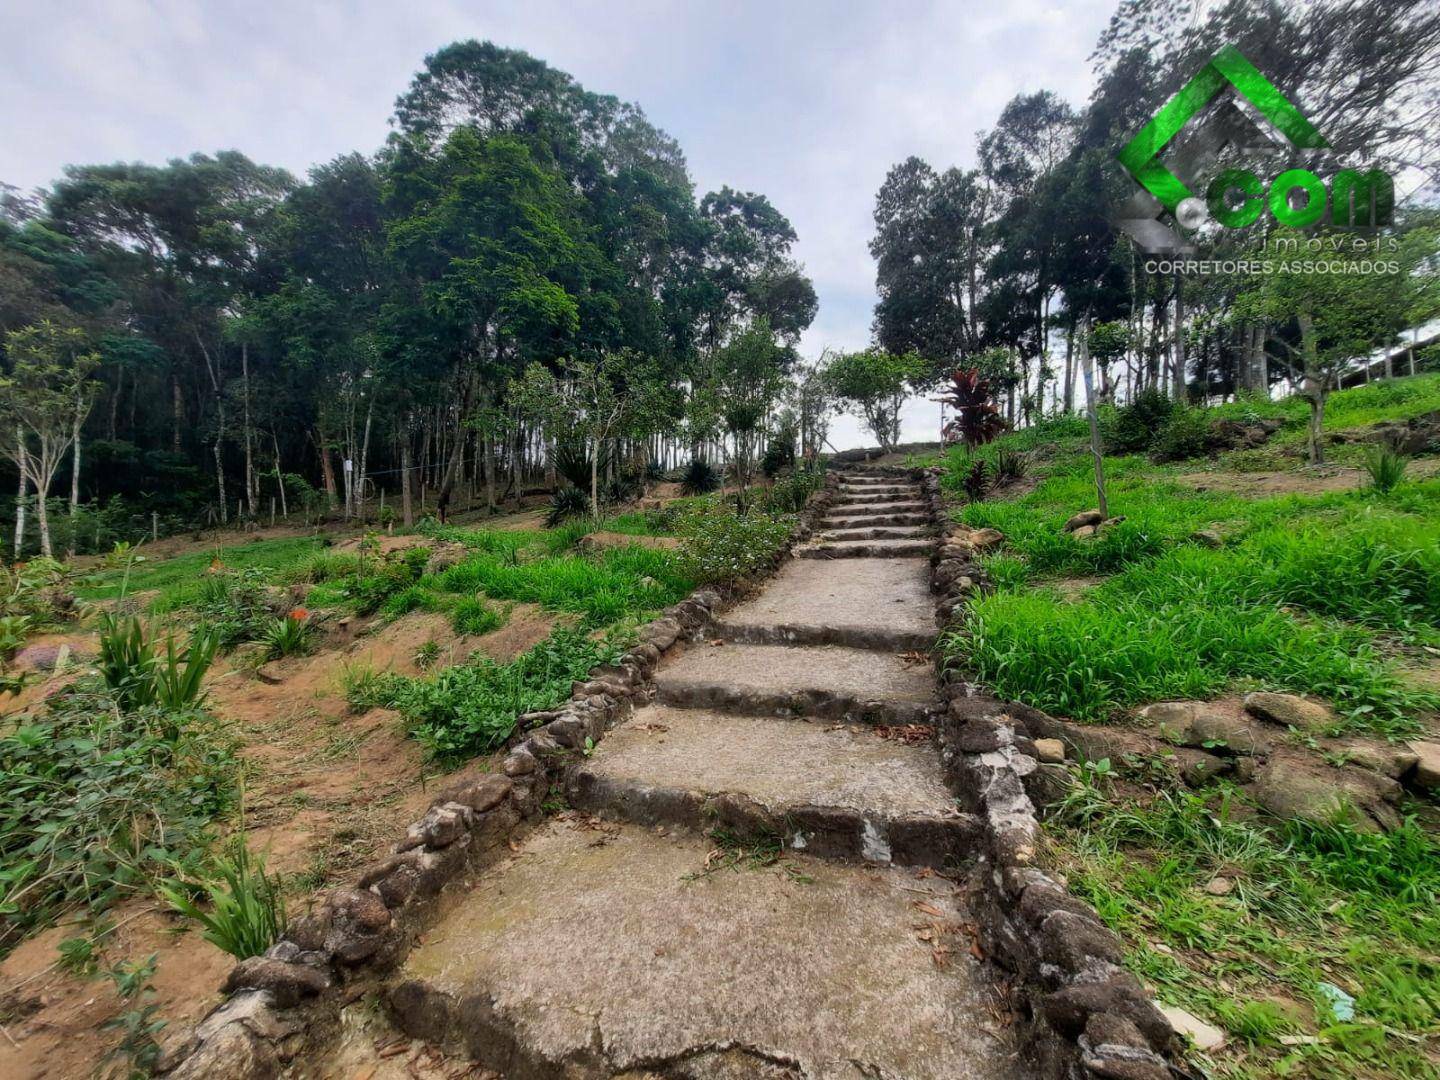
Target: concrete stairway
(874, 518)
(806, 944)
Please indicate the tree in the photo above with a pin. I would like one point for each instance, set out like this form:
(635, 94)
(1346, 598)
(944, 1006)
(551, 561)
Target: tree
(43, 401)
(875, 384)
(747, 378)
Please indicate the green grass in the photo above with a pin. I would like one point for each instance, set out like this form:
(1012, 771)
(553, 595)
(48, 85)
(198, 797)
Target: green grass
(179, 579)
(1310, 905)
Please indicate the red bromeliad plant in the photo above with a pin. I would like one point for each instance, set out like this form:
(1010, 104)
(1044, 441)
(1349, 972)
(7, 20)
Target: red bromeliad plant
(977, 420)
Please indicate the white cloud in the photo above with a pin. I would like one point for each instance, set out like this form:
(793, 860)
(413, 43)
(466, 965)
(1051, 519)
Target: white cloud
(808, 102)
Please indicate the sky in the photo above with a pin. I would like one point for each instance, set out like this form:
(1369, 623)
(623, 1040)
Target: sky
(809, 103)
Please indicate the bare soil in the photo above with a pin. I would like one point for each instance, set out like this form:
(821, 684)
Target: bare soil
(325, 790)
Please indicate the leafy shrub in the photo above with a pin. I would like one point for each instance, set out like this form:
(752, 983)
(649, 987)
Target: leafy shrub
(472, 708)
(700, 478)
(13, 629)
(788, 494)
(474, 616)
(233, 604)
(363, 687)
(1386, 467)
(1132, 428)
(246, 913)
(1010, 466)
(289, 636)
(566, 504)
(1184, 435)
(721, 545)
(976, 480)
(390, 574)
(138, 678)
(779, 455)
(98, 800)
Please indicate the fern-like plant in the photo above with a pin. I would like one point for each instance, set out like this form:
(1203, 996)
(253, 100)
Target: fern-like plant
(245, 914)
(700, 478)
(289, 636)
(1386, 467)
(567, 503)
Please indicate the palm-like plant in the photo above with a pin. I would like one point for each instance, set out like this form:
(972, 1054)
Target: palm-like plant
(977, 420)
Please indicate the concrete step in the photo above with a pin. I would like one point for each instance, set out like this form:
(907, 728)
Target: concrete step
(830, 682)
(839, 521)
(880, 495)
(868, 549)
(878, 532)
(877, 509)
(864, 603)
(614, 952)
(873, 478)
(831, 790)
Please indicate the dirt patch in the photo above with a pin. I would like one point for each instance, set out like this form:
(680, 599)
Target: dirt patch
(55, 1021)
(1303, 481)
(326, 791)
(1075, 588)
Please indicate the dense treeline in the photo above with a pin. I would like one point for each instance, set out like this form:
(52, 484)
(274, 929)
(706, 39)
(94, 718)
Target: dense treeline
(223, 339)
(1017, 264)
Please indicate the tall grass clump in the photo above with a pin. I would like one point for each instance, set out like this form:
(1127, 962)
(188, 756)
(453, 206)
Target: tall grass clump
(1386, 468)
(239, 906)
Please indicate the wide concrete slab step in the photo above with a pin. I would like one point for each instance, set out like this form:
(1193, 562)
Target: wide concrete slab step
(829, 681)
(614, 952)
(877, 509)
(868, 549)
(864, 603)
(873, 478)
(878, 532)
(908, 494)
(831, 790)
(839, 521)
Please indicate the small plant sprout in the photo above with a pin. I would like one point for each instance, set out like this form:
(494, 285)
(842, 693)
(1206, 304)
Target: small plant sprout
(427, 654)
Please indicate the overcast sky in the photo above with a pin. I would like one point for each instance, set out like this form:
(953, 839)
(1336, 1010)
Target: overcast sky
(809, 103)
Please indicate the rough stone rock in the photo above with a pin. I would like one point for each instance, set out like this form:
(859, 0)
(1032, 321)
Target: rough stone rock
(1351, 795)
(1288, 710)
(358, 921)
(1084, 532)
(986, 539)
(519, 762)
(445, 554)
(1083, 519)
(1069, 1009)
(569, 732)
(1197, 724)
(1111, 1066)
(479, 793)
(288, 983)
(1220, 886)
(1111, 1029)
(1072, 941)
(1208, 538)
(645, 656)
(1427, 765)
(1050, 751)
(1387, 760)
(1198, 767)
(233, 1052)
(662, 633)
(440, 827)
(1205, 1036)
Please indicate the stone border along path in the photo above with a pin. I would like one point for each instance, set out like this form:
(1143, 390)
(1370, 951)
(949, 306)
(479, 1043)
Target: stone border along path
(624, 944)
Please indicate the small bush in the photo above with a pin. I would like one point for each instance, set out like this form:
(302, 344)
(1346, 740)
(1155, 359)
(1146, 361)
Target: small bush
(1386, 467)
(700, 478)
(138, 678)
(289, 636)
(364, 688)
(566, 504)
(1132, 428)
(1011, 466)
(721, 545)
(788, 494)
(246, 913)
(779, 456)
(474, 616)
(1184, 435)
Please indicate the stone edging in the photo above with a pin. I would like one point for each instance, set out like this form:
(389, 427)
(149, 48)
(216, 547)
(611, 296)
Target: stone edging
(1089, 1017)
(277, 1003)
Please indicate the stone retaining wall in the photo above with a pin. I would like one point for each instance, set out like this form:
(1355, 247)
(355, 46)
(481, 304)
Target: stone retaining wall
(1089, 1017)
(289, 999)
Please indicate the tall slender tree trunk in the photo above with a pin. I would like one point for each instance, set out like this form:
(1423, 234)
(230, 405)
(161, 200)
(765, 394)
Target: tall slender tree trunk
(279, 476)
(177, 412)
(252, 481)
(21, 456)
(1312, 388)
(1177, 376)
(1070, 369)
(75, 424)
(364, 460)
(407, 508)
(327, 468)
